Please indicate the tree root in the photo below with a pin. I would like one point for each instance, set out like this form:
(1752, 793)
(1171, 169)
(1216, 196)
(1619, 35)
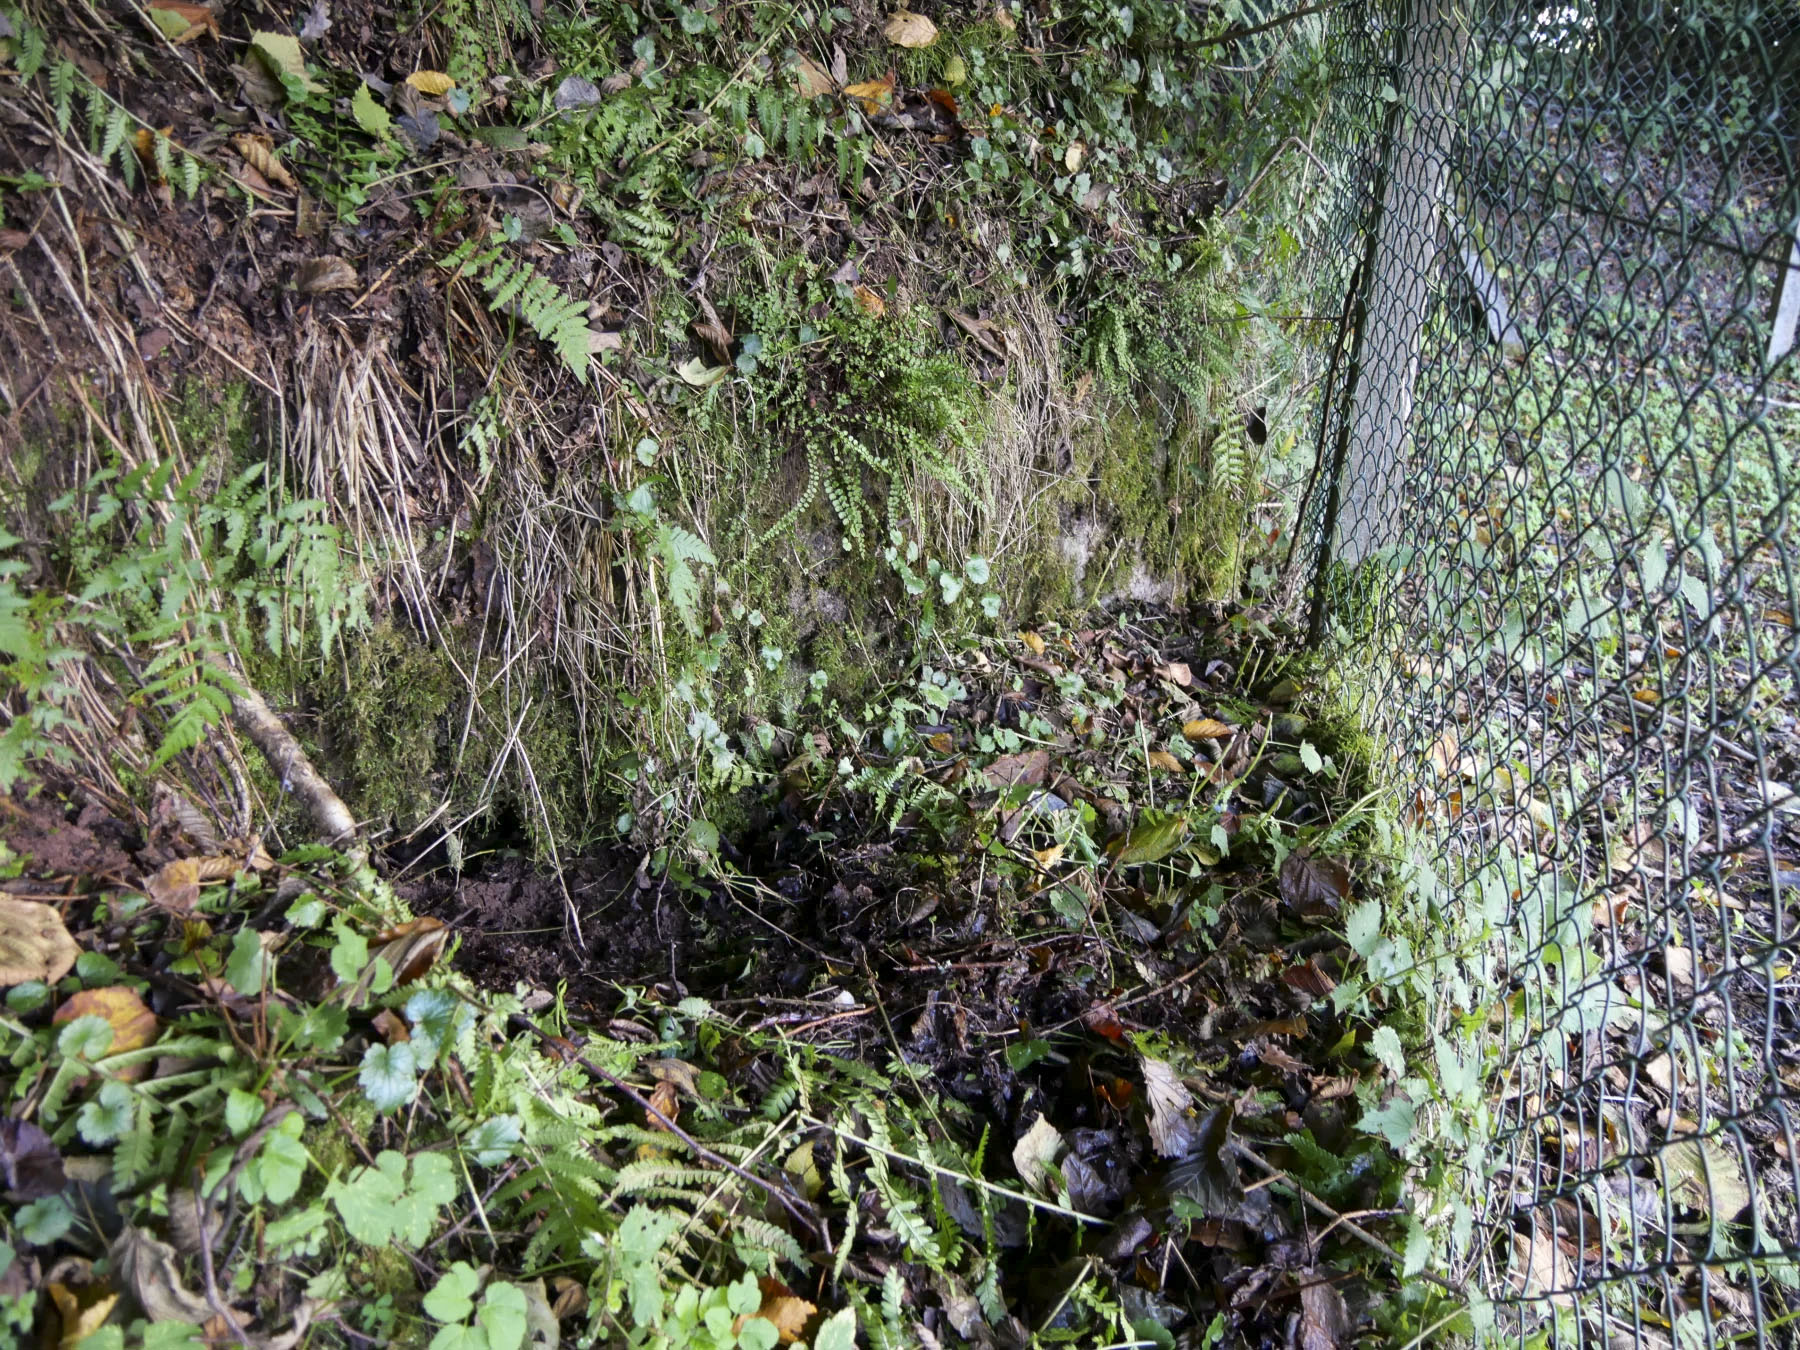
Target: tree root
(329, 814)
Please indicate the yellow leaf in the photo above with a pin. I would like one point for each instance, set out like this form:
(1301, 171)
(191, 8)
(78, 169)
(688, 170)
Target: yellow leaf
(804, 1168)
(1033, 642)
(133, 1024)
(1207, 729)
(874, 95)
(78, 1322)
(34, 945)
(787, 1311)
(1073, 156)
(1048, 857)
(431, 82)
(906, 29)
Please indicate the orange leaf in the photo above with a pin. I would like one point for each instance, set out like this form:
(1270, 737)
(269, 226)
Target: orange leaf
(1033, 642)
(133, 1025)
(1162, 759)
(662, 1097)
(260, 155)
(944, 99)
(786, 1309)
(1207, 729)
(868, 301)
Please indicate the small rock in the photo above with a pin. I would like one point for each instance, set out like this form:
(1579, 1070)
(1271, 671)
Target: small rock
(575, 92)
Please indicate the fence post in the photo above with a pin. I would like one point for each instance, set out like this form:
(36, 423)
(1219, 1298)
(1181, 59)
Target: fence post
(1787, 303)
(1404, 255)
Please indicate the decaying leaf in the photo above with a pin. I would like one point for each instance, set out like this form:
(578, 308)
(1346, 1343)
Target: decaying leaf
(260, 155)
(413, 947)
(431, 83)
(1703, 1174)
(868, 301)
(1177, 672)
(987, 334)
(1162, 759)
(1151, 840)
(281, 53)
(906, 29)
(1172, 1129)
(702, 376)
(34, 945)
(29, 1163)
(1074, 155)
(151, 1271)
(663, 1099)
(1030, 767)
(1208, 1175)
(874, 95)
(811, 78)
(786, 1309)
(181, 22)
(1033, 643)
(1539, 1267)
(1035, 1152)
(80, 1319)
(1314, 885)
(1309, 978)
(328, 272)
(133, 1024)
(1324, 1318)
(1207, 729)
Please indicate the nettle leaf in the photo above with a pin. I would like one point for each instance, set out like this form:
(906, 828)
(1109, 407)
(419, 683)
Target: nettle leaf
(389, 1076)
(108, 1116)
(1385, 1046)
(1362, 930)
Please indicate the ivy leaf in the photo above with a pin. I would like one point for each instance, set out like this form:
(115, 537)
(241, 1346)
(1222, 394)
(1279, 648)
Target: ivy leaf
(106, 1117)
(389, 1076)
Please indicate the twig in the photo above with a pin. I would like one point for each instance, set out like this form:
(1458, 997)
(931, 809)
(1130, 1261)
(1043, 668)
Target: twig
(335, 823)
(213, 1297)
(557, 1044)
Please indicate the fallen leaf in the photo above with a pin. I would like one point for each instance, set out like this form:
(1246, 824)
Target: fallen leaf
(413, 947)
(1103, 1021)
(1207, 729)
(151, 1270)
(1150, 840)
(182, 23)
(803, 1166)
(327, 272)
(944, 101)
(1208, 1175)
(281, 53)
(1029, 767)
(868, 301)
(1540, 1268)
(392, 1027)
(786, 1309)
(1073, 156)
(983, 331)
(80, 1321)
(1033, 643)
(697, 373)
(29, 1162)
(1309, 978)
(874, 95)
(1679, 962)
(133, 1024)
(1162, 759)
(811, 78)
(573, 92)
(260, 155)
(431, 83)
(1172, 1129)
(1176, 671)
(34, 945)
(676, 1071)
(1036, 1150)
(663, 1098)
(1314, 885)
(906, 29)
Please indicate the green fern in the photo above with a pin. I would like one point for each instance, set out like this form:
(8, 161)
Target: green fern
(517, 288)
(679, 550)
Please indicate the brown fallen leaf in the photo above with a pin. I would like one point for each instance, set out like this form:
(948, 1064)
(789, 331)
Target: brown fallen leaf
(786, 1309)
(1029, 767)
(1324, 1317)
(181, 22)
(906, 29)
(1176, 671)
(811, 78)
(868, 301)
(663, 1098)
(151, 1270)
(392, 1027)
(328, 272)
(413, 947)
(1207, 729)
(259, 153)
(431, 83)
(1162, 759)
(34, 944)
(1314, 885)
(874, 95)
(1309, 978)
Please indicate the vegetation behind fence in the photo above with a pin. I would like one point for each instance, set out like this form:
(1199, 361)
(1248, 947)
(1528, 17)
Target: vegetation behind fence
(1556, 508)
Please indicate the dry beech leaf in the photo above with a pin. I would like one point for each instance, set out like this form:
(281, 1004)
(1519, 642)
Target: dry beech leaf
(34, 945)
(1162, 759)
(1030, 767)
(1073, 156)
(328, 272)
(1177, 671)
(431, 83)
(260, 155)
(1207, 729)
(811, 78)
(1033, 643)
(874, 95)
(906, 29)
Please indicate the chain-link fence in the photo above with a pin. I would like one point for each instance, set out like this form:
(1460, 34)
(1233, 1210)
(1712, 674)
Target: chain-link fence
(1557, 508)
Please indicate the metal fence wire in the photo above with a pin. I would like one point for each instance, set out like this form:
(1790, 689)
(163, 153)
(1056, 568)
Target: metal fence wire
(1558, 449)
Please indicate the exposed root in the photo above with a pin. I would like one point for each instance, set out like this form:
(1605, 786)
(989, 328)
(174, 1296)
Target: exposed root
(255, 719)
